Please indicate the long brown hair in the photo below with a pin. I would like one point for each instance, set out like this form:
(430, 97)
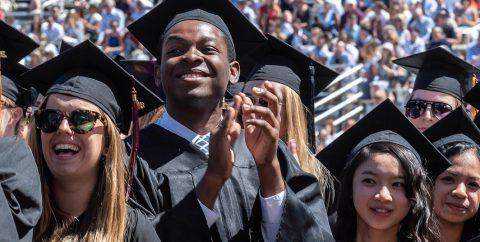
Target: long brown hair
(109, 207)
(297, 129)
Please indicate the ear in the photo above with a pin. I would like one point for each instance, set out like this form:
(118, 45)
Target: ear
(234, 72)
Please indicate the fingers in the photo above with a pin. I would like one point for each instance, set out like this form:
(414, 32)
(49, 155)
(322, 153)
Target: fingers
(262, 113)
(270, 94)
(272, 132)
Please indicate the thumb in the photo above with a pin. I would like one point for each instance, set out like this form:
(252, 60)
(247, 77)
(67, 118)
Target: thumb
(292, 147)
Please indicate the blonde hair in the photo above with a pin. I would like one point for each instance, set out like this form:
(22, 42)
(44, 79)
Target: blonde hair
(24, 121)
(109, 207)
(296, 127)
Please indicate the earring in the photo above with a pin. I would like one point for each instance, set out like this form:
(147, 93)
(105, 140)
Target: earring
(103, 158)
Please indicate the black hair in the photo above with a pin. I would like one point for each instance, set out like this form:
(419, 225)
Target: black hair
(419, 224)
(471, 227)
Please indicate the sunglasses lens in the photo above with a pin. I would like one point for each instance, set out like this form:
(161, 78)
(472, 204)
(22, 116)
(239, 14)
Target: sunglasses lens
(413, 109)
(439, 109)
(49, 120)
(82, 121)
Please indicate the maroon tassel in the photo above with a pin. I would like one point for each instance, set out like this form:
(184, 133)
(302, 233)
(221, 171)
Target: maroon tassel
(136, 105)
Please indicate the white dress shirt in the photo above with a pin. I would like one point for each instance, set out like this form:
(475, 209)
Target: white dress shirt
(271, 207)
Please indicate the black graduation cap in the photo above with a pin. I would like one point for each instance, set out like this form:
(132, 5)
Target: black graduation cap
(16, 46)
(84, 71)
(439, 70)
(244, 36)
(234, 89)
(383, 124)
(284, 64)
(473, 98)
(455, 127)
(144, 72)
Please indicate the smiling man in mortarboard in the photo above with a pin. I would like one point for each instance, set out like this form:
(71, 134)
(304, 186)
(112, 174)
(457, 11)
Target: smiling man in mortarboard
(217, 189)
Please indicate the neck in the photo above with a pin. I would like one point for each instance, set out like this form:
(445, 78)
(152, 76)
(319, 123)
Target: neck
(366, 233)
(450, 232)
(199, 120)
(73, 197)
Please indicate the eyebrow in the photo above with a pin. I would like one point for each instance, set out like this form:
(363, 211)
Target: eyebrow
(175, 37)
(456, 174)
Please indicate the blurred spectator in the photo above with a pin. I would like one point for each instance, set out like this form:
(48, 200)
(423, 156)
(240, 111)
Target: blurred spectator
(385, 70)
(414, 44)
(286, 28)
(473, 52)
(299, 37)
(348, 124)
(74, 28)
(327, 17)
(138, 10)
(92, 22)
(244, 6)
(400, 26)
(442, 20)
(352, 29)
(340, 56)
(377, 11)
(466, 15)
(302, 12)
(438, 39)
(113, 43)
(269, 14)
(320, 51)
(399, 7)
(421, 22)
(110, 14)
(52, 32)
(350, 8)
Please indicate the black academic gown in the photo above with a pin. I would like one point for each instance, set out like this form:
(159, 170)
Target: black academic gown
(164, 189)
(20, 196)
(138, 229)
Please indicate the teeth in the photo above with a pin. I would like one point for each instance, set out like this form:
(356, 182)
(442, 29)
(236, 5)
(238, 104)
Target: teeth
(193, 75)
(66, 147)
(381, 210)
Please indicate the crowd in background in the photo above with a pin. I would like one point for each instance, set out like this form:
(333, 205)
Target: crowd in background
(338, 33)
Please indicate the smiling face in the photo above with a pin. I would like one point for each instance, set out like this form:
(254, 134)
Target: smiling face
(457, 190)
(194, 65)
(379, 193)
(427, 119)
(69, 155)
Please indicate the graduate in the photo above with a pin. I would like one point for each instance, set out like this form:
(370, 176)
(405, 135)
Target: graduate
(17, 96)
(472, 97)
(204, 178)
(442, 81)
(78, 149)
(289, 71)
(385, 192)
(456, 191)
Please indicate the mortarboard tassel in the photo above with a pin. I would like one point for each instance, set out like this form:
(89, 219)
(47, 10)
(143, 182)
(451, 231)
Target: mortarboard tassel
(474, 81)
(136, 105)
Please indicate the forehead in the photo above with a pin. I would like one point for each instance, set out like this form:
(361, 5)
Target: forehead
(466, 164)
(434, 96)
(67, 103)
(384, 165)
(195, 30)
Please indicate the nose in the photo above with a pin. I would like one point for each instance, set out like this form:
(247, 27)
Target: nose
(460, 191)
(191, 55)
(383, 195)
(65, 127)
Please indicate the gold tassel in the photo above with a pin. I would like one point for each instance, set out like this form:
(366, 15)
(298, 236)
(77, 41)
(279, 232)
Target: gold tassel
(140, 105)
(474, 81)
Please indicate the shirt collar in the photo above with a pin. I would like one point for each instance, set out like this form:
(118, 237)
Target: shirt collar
(172, 125)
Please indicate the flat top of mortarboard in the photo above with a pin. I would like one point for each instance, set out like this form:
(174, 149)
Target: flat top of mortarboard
(473, 96)
(144, 72)
(15, 44)
(234, 89)
(455, 127)
(150, 28)
(383, 124)
(84, 71)
(284, 64)
(440, 70)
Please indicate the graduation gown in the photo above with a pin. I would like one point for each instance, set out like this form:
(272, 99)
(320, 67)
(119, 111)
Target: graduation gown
(164, 189)
(138, 229)
(20, 196)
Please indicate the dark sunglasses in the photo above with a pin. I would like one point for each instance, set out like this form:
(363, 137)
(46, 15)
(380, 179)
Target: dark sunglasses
(415, 108)
(80, 121)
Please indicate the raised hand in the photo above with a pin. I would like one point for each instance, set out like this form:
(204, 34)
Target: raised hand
(262, 128)
(221, 156)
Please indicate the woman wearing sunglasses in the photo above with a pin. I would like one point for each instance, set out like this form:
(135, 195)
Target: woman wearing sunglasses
(456, 191)
(288, 71)
(385, 191)
(442, 81)
(78, 148)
